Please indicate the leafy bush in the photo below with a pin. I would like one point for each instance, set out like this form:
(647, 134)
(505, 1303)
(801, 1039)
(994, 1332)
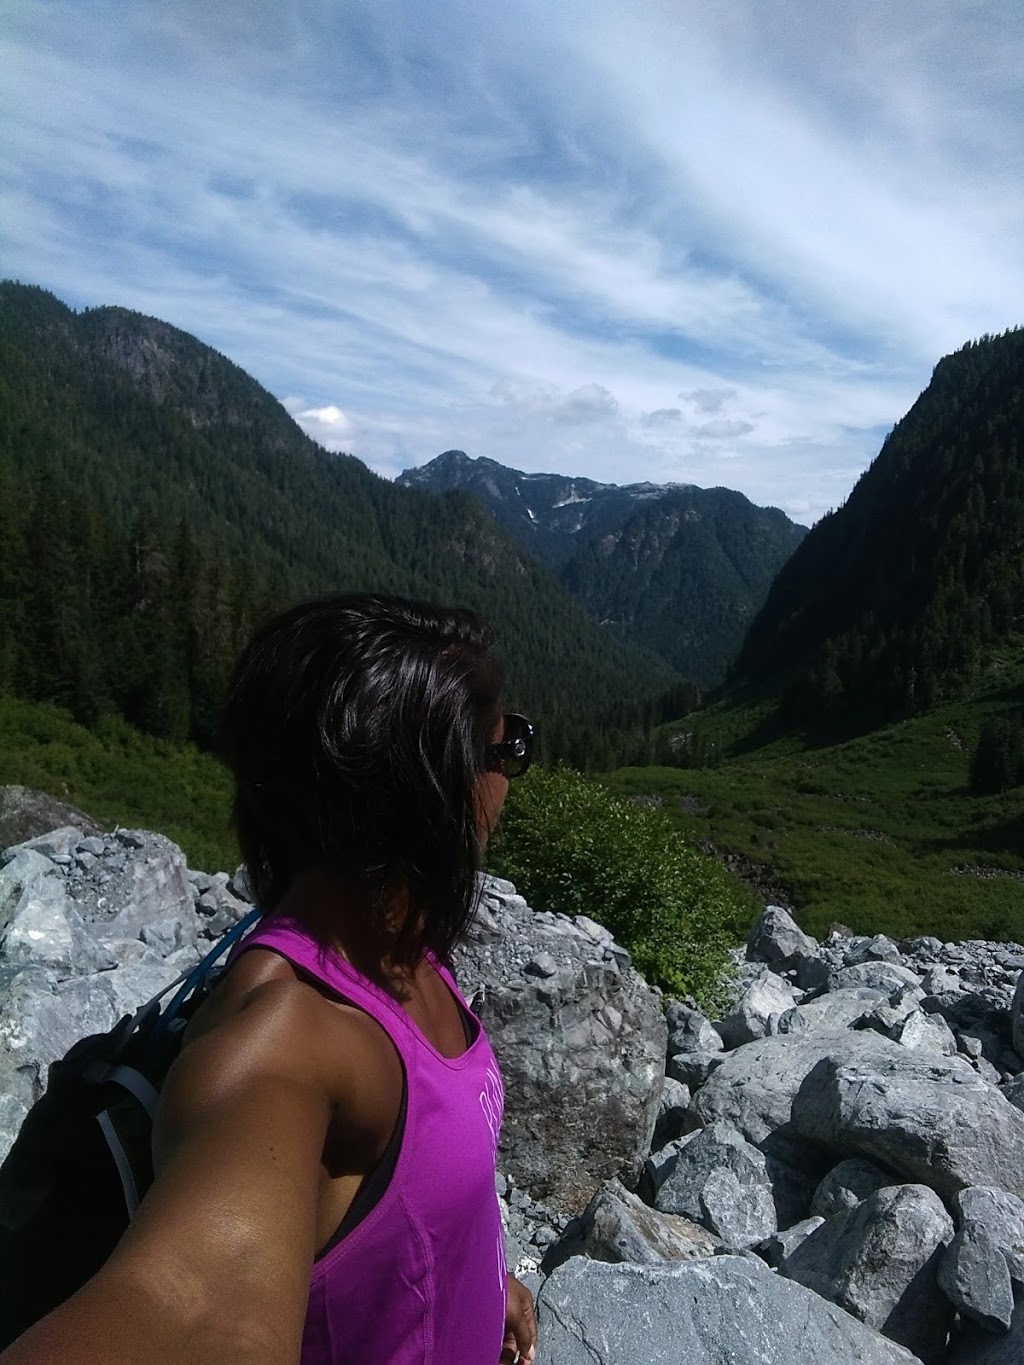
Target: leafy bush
(571, 846)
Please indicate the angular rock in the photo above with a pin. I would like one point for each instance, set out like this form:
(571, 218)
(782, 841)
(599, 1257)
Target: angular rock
(88, 955)
(1017, 1017)
(926, 1031)
(693, 1068)
(929, 1118)
(659, 1166)
(689, 1030)
(755, 1086)
(720, 1181)
(723, 1311)
(777, 939)
(974, 1276)
(767, 997)
(879, 1262)
(39, 933)
(999, 1213)
(849, 1184)
(877, 949)
(838, 1009)
(617, 1226)
(887, 977)
(774, 1249)
(582, 1053)
(167, 934)
(40, 1018)
(56, 843)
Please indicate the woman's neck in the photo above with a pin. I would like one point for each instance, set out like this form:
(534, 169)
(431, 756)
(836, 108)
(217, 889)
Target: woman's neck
(338, 910)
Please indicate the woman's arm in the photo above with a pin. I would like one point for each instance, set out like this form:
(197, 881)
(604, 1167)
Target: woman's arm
(216, 1265)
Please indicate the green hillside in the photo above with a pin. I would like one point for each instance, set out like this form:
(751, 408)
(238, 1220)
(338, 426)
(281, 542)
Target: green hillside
(120, 776)
(878, 830)
(894, 602)
(685, 575)
(155, 502)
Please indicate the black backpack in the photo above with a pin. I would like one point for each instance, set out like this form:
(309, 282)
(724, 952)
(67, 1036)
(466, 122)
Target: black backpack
(82, 1159)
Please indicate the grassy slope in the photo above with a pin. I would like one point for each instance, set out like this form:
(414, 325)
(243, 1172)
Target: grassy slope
(865, 829)
(121, 777)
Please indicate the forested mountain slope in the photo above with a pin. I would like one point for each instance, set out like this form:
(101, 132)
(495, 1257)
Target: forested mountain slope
(898, 599)
(155, 501)
(677, 569)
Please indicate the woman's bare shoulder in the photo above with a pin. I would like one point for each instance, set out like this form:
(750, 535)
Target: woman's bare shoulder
(265, 1025)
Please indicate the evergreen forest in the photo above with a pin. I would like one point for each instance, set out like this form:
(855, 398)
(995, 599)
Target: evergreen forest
(156, 503)
(896, 601)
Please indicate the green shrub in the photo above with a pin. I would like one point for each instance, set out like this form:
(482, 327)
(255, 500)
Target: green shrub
(571, 846)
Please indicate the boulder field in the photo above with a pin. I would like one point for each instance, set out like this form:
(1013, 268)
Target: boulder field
(833, 1171)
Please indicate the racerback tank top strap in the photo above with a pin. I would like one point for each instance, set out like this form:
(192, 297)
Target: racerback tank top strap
(422, 1277)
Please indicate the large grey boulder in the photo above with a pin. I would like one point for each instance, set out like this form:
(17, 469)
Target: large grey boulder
(756, 1012)
(617, 1226)
(25, 814)
(725, 1311)
(974, 1276)
(755, 1086)
(838, 1009)
(690, 1030)
(693, 1068)
(777, 940)
(879, 1262)
(930, 1118)
(1002, 1214)
(849, 1184)
(929, 1032)
(720, 1180)
(582, 1050)
(888, 977)
(40, 1017)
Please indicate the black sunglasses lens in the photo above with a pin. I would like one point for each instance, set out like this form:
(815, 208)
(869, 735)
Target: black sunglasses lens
(517, 745)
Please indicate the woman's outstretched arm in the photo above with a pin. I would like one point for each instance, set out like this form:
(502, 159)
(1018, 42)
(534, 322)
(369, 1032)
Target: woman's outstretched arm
(216, 1265)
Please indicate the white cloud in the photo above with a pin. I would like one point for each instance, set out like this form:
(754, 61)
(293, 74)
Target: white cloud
(329, 426)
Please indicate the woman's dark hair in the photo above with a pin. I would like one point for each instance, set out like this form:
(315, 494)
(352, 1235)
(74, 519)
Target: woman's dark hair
(355, 728)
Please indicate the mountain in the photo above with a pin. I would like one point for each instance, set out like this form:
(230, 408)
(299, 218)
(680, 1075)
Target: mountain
(677, 569)
(901, 597)
(547, 514)
(155, 502)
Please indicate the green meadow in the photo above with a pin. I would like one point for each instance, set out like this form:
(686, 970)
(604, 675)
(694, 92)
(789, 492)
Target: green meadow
(878, 831)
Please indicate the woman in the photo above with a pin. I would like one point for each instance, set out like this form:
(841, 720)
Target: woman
(325, 1143)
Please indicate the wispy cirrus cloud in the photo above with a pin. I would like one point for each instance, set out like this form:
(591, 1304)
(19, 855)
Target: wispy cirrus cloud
(680, 243)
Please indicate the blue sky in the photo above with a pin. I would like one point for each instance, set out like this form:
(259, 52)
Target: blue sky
(718, 243)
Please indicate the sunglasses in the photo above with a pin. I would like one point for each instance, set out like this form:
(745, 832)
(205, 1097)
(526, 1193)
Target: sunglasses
(511, 756)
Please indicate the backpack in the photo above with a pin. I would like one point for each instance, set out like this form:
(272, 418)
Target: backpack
(82, 1160)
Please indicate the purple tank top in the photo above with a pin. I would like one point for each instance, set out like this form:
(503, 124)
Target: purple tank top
(421, 1279)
